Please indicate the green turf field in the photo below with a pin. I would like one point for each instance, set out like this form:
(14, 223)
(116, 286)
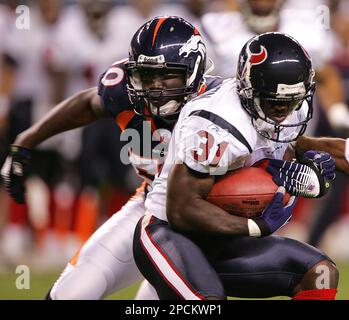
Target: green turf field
(40, 283)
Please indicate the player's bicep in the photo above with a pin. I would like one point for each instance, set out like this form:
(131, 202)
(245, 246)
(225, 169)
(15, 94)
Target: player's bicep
(97, 105)
(184, 180)
(184, 186)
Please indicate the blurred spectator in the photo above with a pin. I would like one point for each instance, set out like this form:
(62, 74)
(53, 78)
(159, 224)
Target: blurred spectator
(83, 55)
(7, 16)
(26, 85)
(329, 212)
(307, 5)
(127, 19)
(7, 19)
(340, 38)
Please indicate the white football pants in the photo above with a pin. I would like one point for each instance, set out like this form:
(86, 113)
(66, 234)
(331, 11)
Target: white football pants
(105, 263)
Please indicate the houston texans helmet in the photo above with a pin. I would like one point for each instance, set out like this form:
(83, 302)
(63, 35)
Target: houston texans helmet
(275, 78)
(165, 45)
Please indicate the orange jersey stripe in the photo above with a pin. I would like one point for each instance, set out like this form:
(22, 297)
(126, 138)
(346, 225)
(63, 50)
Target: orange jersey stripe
(124, 118)
(74, 260)
(141, 189)
(157, 27)
(203, 89)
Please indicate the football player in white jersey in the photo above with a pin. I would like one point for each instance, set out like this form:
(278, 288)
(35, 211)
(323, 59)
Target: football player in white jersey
(166, 66)
(228, 31)
(188, 248)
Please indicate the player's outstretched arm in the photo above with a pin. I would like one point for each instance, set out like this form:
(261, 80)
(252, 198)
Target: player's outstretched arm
(77, 111)
(338, 148)
(188, 211)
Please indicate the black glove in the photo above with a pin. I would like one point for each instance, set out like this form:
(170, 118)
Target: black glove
(14, 172)
(299, 179)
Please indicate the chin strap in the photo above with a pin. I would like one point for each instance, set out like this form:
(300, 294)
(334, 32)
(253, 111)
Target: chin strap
(169, 107)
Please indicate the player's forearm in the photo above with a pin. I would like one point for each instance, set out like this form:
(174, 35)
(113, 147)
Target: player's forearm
(336, 147)
(187, 211)
(198, 215)
(71, 113)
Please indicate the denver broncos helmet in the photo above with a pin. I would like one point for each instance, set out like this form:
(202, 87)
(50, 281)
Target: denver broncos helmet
(165, 45)
(275, 73)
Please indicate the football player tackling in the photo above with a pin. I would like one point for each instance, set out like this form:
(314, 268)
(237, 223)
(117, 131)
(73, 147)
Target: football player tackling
(166, 66)
(188, 248)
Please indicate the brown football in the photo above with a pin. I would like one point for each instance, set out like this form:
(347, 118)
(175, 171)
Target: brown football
(244, 192)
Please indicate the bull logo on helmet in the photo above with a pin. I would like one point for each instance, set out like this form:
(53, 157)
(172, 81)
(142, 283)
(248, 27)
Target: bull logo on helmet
(194, 44)
(257, 58)
(254, 59)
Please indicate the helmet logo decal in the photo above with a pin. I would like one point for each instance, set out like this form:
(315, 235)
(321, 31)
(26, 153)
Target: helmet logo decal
(257, 58)
(153, 60)
(297, 89)
(194, 44)
(253, 59)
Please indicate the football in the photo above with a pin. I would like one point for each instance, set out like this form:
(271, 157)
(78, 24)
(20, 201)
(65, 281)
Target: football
(244, 192)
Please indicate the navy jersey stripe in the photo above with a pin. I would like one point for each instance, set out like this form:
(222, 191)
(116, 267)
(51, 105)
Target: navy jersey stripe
(219, 121)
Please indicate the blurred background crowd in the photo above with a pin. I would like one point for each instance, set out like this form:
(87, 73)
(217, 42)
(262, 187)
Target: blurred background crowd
(77, 180)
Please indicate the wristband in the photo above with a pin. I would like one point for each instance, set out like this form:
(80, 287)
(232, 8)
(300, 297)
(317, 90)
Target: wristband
(253, 228)
(21, 151)
(346, 150)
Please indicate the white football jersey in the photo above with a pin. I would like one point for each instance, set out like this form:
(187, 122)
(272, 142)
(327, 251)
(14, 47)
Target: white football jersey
(213, 135)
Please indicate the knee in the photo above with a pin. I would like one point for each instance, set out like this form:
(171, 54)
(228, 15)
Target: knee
(334, 271)
(323, 275)
(326, 274)
(82, 283)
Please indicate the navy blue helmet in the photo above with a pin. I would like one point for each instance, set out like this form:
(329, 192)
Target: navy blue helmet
(161, 47)
(275, 78)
